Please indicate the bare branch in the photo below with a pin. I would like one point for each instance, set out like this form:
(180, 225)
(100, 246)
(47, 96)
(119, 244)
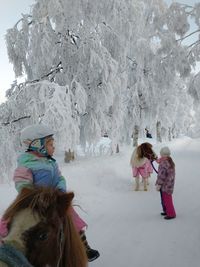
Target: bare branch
(194, 44)
(186, 6)
(22, 118)
(181, 39)
(16, 24)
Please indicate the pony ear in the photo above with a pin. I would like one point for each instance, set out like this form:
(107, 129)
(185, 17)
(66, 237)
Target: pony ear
(70, 196)
(64, 201)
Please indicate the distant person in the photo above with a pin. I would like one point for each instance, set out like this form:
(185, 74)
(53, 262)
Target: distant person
(36, 166)
(165, 183)
(141, 165)
(148, 135)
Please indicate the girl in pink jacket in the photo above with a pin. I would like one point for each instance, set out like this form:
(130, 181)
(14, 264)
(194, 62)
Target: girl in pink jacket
(165, 183)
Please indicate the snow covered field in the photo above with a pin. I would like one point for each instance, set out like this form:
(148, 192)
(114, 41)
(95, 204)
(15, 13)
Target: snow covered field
(126, 226)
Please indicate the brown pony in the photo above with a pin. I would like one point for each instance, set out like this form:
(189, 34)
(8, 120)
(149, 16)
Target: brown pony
(40, 228)
(145, 150)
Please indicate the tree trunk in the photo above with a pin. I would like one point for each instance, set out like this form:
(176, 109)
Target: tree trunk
(173, 131)
(169, 134)
(158, 132)
(117, 148)
(135, 135)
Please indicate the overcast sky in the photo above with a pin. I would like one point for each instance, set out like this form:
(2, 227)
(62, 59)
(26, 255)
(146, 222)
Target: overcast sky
(10, 13)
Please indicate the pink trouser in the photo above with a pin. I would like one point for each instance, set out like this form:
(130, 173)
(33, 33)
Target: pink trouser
(79, 223)
(168, 203)
(3, 228)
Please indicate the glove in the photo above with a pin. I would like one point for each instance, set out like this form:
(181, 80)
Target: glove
(158, 187)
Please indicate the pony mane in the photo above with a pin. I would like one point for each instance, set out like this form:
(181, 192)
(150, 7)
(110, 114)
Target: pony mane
(145, 150)
(38, 199)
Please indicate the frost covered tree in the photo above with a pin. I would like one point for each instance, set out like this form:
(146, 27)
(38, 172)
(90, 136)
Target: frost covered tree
(194, 91)
(95, 66)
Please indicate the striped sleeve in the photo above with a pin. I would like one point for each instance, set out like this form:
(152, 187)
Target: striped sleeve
(23, 178)
(62, 184)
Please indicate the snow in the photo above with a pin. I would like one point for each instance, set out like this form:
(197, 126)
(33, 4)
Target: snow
(126, 226)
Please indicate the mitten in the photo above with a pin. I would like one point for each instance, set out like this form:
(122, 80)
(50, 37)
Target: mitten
(158, 187)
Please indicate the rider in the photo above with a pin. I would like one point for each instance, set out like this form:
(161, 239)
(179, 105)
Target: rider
(37, 166)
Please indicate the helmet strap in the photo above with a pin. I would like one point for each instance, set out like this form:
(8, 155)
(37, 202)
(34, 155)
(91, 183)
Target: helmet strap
(38, 145)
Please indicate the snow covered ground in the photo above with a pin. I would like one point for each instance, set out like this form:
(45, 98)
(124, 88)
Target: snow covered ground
(126, 226)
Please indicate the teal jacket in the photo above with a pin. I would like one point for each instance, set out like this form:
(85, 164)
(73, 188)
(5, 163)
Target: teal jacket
(37, 170)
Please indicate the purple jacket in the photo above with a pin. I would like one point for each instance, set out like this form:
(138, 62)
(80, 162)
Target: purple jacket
(166, 176)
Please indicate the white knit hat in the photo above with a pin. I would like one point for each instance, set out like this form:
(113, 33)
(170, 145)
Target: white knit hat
(165, 151)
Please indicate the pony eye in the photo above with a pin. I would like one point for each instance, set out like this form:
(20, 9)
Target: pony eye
(43, 236)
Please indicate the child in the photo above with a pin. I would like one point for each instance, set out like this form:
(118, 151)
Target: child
(148, 135)
(141, 165)
(36, 166)
(165, 183)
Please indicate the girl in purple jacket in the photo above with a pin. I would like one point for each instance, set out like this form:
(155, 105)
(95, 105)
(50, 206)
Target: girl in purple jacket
(165, 183)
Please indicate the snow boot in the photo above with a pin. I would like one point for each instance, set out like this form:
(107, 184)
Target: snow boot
(92, 254)
(169, 217)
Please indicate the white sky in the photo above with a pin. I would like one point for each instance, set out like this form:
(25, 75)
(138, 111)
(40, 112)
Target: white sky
(10, 13)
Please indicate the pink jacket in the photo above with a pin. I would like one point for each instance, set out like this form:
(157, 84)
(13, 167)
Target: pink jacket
(79, 223)
(166, 175)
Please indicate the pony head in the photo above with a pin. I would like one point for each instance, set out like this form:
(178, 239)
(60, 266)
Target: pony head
(40, 226)
(145, 150)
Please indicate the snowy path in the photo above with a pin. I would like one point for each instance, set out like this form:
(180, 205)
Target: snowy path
(126, 226)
